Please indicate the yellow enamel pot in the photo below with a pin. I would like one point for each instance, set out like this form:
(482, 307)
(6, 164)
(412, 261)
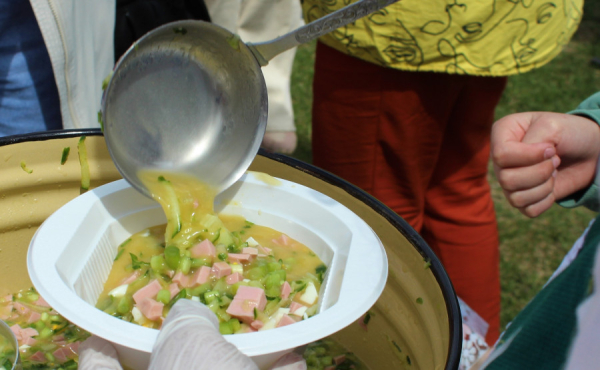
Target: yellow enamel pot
(415, 324)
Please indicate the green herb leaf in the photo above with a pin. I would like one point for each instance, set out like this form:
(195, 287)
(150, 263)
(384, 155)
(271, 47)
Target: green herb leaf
(135, 263)
(181, 294)
(119, 254)
(100, 121)
(65, 155)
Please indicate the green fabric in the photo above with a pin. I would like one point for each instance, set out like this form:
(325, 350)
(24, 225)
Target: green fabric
(586, 197)
(589, 108)
(541, 334)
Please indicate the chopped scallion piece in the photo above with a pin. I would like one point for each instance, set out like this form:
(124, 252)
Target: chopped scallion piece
(65, 155)
(83, 161)
(24, 167)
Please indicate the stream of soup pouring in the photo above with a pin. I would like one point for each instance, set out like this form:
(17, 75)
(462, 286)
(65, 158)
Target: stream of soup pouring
(252, 277)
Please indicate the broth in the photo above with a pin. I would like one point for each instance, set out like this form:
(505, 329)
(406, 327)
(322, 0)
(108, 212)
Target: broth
(252, 277)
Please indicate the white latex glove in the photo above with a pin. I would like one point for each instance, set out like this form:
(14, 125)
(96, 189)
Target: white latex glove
(98, 354)
(190, 339)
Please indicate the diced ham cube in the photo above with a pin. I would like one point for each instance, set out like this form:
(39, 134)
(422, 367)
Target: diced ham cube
(243, 310)
(221, 269)
(131, 278)
(339, 359)
(149, 291)
(282, 240)
(253, 252)
(201, 275)
(204, 249)
(21, 309)
(6, 310)
(286, 289)
(252, 294)
(245, 301)
(16, 329)
(297, 309)
(38, 357)
(263, 250)
(29, 332)
(42, 302)
(257, 324)
(183, 280)
(28, 341)
(7, 298)
(285, 320)
(238, 257)
(35, 316)
(60, 355)
(151, 308)
(73, 348)
(174, 289)
(234, 278)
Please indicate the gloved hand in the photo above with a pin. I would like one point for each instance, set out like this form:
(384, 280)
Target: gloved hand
(96, 353)
(190, 339)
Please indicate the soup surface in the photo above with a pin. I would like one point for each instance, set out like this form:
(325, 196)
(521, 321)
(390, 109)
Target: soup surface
(252, 277)
(46, 339)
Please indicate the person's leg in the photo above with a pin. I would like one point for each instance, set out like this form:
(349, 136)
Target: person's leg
(459, 222)
(372, 128)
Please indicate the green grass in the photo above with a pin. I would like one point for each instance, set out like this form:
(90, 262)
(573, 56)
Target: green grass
(530, 249)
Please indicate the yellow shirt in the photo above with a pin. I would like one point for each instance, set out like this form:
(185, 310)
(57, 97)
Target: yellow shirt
(475, 37)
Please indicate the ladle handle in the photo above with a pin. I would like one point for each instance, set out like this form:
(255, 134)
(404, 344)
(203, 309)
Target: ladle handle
(265, 51)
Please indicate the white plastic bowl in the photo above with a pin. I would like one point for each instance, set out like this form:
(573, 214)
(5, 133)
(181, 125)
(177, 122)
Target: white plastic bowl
(71, 255)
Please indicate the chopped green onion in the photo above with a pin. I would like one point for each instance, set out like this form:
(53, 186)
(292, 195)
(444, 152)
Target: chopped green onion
(100, 121)
(83, 161)
(135, 263)
(163, 296)
(24, 167)
(119, 254)
(367, 318)
(427, 263)
(65, 155)
(172, 256)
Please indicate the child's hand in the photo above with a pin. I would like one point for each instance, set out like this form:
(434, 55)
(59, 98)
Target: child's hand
(540, 157)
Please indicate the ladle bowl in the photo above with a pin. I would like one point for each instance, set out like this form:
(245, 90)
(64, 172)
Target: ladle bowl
(190, 97)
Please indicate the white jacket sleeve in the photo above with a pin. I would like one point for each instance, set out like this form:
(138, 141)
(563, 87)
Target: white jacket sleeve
(79, 36)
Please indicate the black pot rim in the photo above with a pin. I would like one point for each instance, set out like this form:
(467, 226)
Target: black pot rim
(453, 310)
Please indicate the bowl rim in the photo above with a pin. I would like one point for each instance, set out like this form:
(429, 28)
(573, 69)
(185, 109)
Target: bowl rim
(358, 291)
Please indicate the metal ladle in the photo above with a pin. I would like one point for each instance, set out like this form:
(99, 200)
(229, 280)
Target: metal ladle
(190, 97)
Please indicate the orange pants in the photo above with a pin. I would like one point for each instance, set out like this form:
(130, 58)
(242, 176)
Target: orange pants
(419, 142)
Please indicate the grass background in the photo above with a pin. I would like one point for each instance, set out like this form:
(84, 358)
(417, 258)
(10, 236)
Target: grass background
(530, 249)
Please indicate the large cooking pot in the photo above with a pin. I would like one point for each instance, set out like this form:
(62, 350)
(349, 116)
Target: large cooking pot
(415, 323)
